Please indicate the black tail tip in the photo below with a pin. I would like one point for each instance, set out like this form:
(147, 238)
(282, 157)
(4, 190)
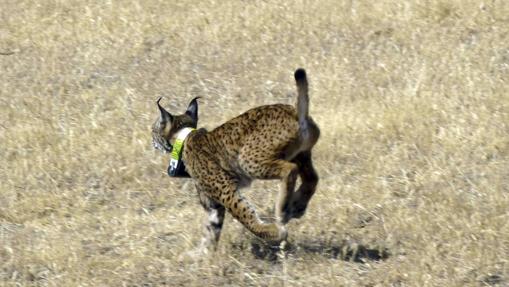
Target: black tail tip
(300, 75)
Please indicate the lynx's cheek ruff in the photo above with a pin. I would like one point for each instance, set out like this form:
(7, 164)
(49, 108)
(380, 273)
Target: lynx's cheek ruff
(166, 148)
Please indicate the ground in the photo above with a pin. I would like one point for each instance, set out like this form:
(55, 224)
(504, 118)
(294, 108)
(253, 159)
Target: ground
(412, 98)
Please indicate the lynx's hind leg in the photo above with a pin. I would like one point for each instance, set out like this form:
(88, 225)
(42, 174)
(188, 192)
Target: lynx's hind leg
(288, 172)
(269, 168)
(300, 199)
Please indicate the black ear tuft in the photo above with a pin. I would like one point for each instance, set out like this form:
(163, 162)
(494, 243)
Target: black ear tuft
(165, 116)
(300, 74)
(192, 109)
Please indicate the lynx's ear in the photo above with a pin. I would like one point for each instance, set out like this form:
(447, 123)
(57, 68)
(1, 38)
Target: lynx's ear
(165, 116)
(192, 109)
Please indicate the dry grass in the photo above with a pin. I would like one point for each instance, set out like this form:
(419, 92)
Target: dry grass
(412, 98)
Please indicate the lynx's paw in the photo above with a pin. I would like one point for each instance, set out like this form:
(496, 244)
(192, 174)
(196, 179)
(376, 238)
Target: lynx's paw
(294, 210)
(282, 234)
(198, 253)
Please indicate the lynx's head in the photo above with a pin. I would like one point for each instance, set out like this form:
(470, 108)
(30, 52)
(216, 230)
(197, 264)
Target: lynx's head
(166, 127)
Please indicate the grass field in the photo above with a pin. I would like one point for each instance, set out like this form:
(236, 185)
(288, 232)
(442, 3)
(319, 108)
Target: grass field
(412, 98)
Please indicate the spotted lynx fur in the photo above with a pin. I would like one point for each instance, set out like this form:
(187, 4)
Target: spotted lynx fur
(267, 142)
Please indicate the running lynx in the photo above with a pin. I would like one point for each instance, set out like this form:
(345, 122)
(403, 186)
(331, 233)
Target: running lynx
(267, 142)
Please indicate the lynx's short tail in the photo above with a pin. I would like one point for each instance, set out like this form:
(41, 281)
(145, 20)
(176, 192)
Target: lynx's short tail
(303, 97)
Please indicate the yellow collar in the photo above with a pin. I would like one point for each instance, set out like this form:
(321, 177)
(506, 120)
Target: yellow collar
(176, 167)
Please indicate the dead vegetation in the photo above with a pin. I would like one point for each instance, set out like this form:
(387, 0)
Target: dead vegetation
(412, 98)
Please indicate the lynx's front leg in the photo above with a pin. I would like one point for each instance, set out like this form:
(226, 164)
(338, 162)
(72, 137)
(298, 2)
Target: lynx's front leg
(213, 222)
(243, 212)
(223, 189)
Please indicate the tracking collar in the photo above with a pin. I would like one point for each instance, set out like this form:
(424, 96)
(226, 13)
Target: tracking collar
(177, 168)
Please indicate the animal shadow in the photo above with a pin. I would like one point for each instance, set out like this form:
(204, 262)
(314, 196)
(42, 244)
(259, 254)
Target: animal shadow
(344, 250)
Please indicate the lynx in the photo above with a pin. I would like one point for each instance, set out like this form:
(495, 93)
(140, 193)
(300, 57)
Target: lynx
(266, 142)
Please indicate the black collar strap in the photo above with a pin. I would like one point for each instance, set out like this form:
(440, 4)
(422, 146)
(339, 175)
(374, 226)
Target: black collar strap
(177, 168)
